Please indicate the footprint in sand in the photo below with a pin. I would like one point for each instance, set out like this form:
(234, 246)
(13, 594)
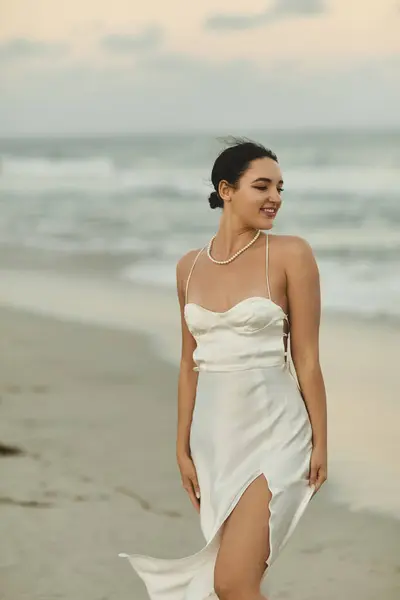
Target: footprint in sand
(12, 388)
(25, 503)
(145, 505)
(7, 450)
(313, 549)
(38, 388)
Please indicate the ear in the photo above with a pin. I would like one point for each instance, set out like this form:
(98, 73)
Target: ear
(225, 191)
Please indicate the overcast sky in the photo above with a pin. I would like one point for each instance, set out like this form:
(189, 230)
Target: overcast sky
(92, 66)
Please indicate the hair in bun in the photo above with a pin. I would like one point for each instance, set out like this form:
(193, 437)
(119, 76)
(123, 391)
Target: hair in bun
(233, 162)
(215, 201)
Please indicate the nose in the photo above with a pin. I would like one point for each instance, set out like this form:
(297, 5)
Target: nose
(274, 195)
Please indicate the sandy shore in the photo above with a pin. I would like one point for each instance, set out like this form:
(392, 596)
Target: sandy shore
(357, 357)
(92, 410)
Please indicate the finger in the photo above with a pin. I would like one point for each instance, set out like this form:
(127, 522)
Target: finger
(191, 481)
(320, 479)
(193, 499)
(196, 487)
(191, 493)
(313, 475)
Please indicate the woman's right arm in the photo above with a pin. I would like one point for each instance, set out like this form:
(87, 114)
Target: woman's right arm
(187, 384)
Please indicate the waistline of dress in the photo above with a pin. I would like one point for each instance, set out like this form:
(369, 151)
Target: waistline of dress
(284, 365)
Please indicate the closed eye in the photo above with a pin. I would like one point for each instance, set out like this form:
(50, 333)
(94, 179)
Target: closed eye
(265, 187)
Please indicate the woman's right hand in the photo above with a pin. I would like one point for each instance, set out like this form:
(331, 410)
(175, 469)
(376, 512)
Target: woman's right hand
(189, 480)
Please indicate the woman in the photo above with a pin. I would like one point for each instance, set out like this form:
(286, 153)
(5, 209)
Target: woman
(251, 441)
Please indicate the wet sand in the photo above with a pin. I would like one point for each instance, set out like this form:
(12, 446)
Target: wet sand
(92, 411)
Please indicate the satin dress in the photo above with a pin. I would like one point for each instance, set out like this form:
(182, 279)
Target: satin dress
(249, 420)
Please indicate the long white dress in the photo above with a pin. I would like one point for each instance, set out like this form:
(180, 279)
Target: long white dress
(249, 420)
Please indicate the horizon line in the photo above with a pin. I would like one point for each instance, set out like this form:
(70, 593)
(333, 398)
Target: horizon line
(394, 129)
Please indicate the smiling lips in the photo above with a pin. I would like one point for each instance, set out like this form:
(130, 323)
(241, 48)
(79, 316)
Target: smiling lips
(268, 211)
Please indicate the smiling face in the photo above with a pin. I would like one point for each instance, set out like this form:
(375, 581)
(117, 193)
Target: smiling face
(256, 198)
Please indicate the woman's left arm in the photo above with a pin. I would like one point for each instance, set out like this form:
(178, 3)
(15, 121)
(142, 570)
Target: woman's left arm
(304, 299)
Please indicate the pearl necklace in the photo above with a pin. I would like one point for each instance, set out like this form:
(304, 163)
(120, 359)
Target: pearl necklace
(225, 262)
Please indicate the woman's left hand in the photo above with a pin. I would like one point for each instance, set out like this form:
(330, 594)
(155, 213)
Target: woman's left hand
(318, 467)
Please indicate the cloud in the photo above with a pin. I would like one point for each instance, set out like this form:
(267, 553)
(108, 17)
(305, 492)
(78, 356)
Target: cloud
(299, 7)
(22, 48)
(279, 10)
(235, 21)
(177, 64)
(183, 93)
(148, 39)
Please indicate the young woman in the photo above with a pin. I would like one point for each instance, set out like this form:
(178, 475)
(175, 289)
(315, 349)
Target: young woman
(251, 440)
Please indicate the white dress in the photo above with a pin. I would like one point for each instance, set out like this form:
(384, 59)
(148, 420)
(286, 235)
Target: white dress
(249, 419)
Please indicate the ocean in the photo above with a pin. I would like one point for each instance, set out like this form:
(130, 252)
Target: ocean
(142, 201)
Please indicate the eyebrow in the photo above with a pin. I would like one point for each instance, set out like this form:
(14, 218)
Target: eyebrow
(265, 180)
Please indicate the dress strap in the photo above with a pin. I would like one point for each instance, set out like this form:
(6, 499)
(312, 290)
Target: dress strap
(190, 273)
(267, 264)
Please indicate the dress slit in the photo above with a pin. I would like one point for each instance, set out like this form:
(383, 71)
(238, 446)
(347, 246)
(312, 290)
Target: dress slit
(249, 420)
(192, 577)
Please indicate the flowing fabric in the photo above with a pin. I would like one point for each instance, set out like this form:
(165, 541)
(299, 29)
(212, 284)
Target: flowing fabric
(249, 420)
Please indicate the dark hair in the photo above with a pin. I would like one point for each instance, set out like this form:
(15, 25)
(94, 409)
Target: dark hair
(233, 162)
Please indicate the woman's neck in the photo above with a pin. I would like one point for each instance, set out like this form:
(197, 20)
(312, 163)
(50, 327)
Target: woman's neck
(231, 237)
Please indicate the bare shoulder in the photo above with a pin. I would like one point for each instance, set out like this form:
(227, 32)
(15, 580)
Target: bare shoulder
(184, 264)
(293, 249)
(183, 267)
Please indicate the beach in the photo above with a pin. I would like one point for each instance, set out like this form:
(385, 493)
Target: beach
(91, 230)
(88, 401)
